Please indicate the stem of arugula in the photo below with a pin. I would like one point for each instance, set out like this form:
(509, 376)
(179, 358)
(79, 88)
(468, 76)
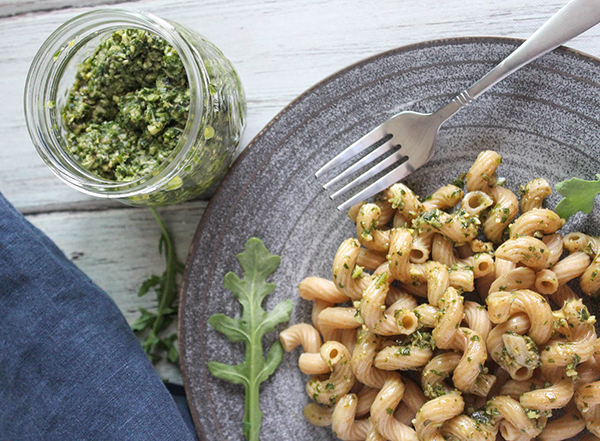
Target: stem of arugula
(166, 297)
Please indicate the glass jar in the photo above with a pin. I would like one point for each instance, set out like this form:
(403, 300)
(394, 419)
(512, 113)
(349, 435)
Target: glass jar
(214, 125)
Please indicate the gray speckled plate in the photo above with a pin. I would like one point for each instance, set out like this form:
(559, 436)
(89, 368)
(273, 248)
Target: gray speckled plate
(544, 120)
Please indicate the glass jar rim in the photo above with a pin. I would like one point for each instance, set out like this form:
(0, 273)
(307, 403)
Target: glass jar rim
(46, 71)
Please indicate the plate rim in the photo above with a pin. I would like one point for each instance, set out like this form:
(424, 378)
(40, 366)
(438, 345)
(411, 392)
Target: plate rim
(195, 240)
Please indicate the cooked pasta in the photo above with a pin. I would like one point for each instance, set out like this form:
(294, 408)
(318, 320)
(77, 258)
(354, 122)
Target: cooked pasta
(399, 343)
(533, 194)
(383, 408)
(587, 399)
(501, 214)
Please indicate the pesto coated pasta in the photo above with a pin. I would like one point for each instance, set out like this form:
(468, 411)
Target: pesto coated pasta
(454, 318)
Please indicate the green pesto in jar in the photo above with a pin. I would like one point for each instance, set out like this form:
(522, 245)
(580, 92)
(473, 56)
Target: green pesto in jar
(128, 106)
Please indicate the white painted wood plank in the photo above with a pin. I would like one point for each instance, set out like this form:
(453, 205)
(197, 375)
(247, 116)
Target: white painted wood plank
(279, 47)
(9, 8)
(118, 249)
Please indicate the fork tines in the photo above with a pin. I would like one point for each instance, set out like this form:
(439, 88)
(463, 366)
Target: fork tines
(385, 141)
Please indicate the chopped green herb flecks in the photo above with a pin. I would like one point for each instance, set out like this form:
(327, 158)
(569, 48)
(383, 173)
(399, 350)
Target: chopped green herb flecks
(128, 106)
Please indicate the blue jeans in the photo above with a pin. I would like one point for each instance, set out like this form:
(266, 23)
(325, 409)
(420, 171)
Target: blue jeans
(70, 367)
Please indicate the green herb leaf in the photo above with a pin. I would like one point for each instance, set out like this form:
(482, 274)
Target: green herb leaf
(155, 323)
(144, 321)
(579, 195)
(147, 284)
(258, 264)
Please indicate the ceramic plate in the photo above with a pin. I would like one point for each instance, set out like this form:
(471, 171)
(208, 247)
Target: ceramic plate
(544, 120)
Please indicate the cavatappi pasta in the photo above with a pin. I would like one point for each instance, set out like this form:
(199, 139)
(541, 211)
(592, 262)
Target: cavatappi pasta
(452, 318)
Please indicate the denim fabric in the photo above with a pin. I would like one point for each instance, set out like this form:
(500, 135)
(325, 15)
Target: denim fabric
(70, 367)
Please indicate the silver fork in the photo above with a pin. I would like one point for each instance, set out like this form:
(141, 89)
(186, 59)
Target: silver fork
(415, 133)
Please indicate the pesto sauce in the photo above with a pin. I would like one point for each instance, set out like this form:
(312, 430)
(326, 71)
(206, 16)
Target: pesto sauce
(128, 106)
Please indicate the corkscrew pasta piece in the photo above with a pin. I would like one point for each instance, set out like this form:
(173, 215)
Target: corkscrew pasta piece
(574, 242)
(572, 266)
(366, 229)
(554, 396)
(328, 391)
(367, 345)
(536, 223)
(444, 198)
(590, 281)
(587, 399)
(403, 358)
(317, 288)
(567, 426)
(401, 240)
(343, 271)
(421, 246)
(554, 242)
(312, 364)
(479, 246)
(465, 428)
(520, 366)
(450, 315)
(503, 266)
(471, 375)
(383, 409)
(477, 318)
(387, 211)
(503, 305)
(546, 282)
(301, 334)
(343, 420)
(501, 214)
(353, 211)
(318, 415)
(427, 315)
(533, 194)
(435, 413)
(369, 259)
(404, 200)
(437, 282)
(528, 251)
(380, 321)
(461, 277)
(578, 339)
(366, 397)
(412, 400)
(512, 418)
(442, 251)
(482, 174)
(318, 306)
(475, 202)
(374, 435)
(588, 372)
(459, 226)
(338, 317)
(436, 371)
(514, 280)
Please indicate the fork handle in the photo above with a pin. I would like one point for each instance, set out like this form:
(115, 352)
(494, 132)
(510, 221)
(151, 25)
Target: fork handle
(573, 19)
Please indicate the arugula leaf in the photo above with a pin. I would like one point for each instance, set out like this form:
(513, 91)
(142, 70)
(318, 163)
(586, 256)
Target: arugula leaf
(165, 286)
(258, 264)
(579, 195)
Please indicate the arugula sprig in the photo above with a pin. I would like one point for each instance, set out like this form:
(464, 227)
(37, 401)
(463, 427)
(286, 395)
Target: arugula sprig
(165, 286)
(579, 195)
(255, 322)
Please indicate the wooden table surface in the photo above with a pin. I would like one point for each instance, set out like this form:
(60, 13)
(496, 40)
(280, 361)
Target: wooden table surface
(279, 47)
